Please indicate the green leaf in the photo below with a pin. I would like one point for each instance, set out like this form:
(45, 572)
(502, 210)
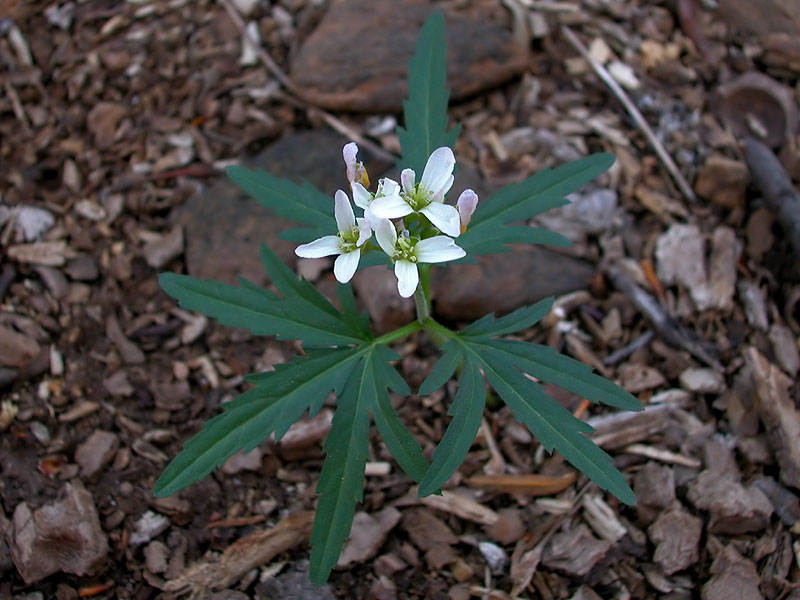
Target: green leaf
(495, 241)
(490, 228)
(257, 310)
(301, 203)
(301, 314)
(467, 411)
(280, 399)
(511, 323)
(398, 439)
(341, 480)
(443, 369)
(425, 110)
(546, 364)
(357, 321)
(346, 448)
(553, 425)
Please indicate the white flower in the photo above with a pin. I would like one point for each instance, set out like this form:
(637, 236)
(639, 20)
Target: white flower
(427, 197)
(387, 188)
(466, 204)
(353, 233)
(356, 172)
(406, 252)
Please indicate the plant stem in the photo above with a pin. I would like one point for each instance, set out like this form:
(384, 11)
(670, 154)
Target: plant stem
(403, 331)
(421, 302)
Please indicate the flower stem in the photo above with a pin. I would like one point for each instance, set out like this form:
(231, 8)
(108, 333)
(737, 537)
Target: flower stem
(408, 329)
(421, 303)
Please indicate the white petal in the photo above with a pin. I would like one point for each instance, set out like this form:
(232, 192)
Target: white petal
(438, 249)
(407, 277)
(444, 216)
(388, 187)
(361, 196)
(466, 203)
(386, 235)
(364, 231)
(390, 207)
(371, 218)
(349, 153)
(345, 218)
(345, 266)
(408, 179)
(439, 196)
(438, 170)
(324, 246)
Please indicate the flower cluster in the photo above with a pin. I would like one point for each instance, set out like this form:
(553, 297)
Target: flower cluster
(408, 220)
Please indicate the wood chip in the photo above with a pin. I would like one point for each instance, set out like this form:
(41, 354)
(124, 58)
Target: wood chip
(778, 413)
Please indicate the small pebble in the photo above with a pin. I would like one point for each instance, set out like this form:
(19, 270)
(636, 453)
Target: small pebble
(495, 557)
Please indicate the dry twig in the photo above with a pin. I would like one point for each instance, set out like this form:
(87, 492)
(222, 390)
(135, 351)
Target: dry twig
(774, 183)
(670, 329)
(637, 117)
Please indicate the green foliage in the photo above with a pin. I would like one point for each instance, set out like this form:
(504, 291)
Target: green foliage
(301, 314)
(505, 364)
(491, 226)
(280, 398)
(301, 203)
(467, 412)
(425, 110)
(346, 451)
(344, 358)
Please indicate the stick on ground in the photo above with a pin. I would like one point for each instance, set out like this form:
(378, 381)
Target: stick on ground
(637, 117)
(774, 183)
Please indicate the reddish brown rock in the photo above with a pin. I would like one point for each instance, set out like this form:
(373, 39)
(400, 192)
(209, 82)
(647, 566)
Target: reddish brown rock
(764, 16)
(501, 283)
(733, 508)
(357, 57)
(63, 536)
(733, 577)
(225, 227)
(676, 534)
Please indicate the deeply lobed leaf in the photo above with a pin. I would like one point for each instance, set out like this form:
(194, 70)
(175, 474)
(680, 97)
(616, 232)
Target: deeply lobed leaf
(425, 110)
(518, 320)
(553, 425)
(301, 314)
(346, 449)
(467, 412)
(278, 401)
(301, 203)
(490, 228)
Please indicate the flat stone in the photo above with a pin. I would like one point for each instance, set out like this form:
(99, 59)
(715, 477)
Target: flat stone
(377, 290)
(63, 536)
(733, 508)
(160, 251)
(733, 577)
(82, 268)
(350, 63)
(426, 530)
(367, 535)
(501, 283)
(225, 227)
(702, 381)
(16, 349)
(676, 534)
(764, 16)
(575, 551)
(654, 485)
(96, 452)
